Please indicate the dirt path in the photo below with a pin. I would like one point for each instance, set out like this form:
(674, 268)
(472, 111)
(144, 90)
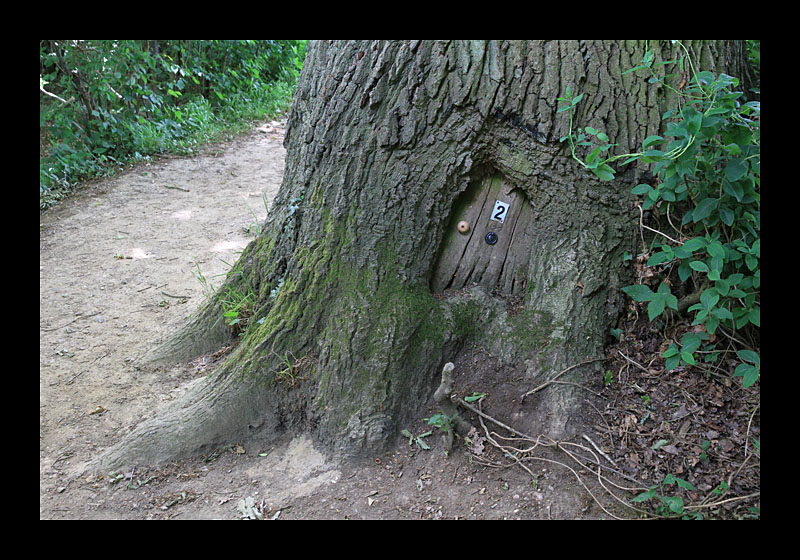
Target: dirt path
(118, 272)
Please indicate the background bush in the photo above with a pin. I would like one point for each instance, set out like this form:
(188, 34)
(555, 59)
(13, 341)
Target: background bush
(106, 103)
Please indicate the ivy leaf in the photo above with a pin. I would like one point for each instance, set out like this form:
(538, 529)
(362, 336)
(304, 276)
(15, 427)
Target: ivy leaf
(650, 140)
(748, 373)
(655, 308)
(644, 496)
(709, 298)
(693, 120)
(604, 172)
(692, 341)
(694, 244)
(672, 362)
(733, 189)
(749, 356)
(665, 255)
(699, 266)
(736, 169)
(684, 483)
(661, 299)
(704, 208)
(639, 292)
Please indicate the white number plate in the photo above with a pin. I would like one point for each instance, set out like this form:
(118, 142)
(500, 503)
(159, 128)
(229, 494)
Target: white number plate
(500, 211)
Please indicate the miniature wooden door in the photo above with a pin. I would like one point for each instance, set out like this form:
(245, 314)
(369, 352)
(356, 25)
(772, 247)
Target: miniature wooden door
(488, 239)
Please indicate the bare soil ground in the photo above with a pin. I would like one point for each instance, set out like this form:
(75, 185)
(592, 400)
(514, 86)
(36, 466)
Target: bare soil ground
(119, 266)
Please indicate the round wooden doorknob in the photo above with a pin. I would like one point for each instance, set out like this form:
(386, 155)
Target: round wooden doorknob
(463, 226)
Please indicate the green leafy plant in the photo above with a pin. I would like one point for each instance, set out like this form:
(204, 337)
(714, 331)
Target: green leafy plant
(238, 306)
(750, 368)
(237, 299)
(286, 373)
(208, 288)
(684, 355)
(412, 439)
(441, 421)
(583, 137)
(704, 447)
(666, 504)
(707, 169)
(658, 300)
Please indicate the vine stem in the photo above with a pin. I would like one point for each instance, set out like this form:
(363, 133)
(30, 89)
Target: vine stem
(641, 224)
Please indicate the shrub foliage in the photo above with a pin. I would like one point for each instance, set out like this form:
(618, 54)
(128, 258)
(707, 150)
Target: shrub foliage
(103, 103)
(707, 191)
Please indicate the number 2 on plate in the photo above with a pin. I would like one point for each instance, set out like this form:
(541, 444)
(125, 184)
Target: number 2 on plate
(500, 211)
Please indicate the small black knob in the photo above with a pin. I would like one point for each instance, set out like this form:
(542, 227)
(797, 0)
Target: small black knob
(491, 238)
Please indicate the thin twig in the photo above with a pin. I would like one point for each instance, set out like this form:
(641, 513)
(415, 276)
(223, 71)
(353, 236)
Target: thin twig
(725, 501)
(538, 441)
(600, 451)
(518, 454)
(546, 383)
(603, 418)
(176, 297)
(465, 404)
(747, 434)
(64, 101)
(577, 385)
(637, 364)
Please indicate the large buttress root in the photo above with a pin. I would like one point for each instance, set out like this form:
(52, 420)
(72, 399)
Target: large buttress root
(205, 331)
(210, 413)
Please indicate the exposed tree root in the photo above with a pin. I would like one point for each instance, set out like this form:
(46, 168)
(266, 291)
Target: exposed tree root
(520, 448)
(214, 410)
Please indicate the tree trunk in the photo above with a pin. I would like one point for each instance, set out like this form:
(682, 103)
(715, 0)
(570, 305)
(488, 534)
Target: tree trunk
(365, 286)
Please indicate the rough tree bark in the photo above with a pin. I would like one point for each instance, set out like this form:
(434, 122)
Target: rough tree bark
(362, 278)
